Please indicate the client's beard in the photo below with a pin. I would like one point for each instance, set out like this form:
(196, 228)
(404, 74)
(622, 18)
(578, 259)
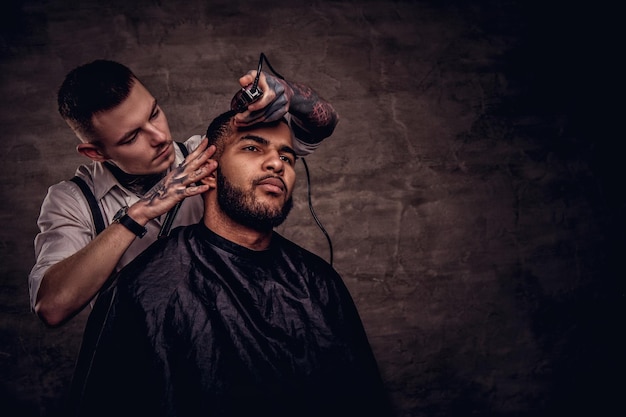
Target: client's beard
(242, 206)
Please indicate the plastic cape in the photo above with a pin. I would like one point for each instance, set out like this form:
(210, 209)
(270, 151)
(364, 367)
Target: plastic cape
(199, 326)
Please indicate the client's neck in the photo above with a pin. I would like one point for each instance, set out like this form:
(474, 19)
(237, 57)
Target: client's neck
(245, 236)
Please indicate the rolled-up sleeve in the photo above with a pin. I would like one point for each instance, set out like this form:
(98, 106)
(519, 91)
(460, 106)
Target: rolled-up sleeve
(65, 227)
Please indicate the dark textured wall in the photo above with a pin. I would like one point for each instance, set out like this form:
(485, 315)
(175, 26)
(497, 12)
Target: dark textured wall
(471, 189)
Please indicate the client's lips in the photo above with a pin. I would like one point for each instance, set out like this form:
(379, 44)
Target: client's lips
(273, 184)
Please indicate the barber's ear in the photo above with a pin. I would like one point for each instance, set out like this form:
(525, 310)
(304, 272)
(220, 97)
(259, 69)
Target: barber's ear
(91, 151)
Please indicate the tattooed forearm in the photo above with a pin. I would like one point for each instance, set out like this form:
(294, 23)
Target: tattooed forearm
(316, 117)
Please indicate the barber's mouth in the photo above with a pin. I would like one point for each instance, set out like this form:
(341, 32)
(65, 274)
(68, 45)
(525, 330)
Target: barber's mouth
(165, 153)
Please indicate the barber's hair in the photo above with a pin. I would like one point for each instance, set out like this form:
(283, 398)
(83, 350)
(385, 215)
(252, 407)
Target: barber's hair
(92, 88)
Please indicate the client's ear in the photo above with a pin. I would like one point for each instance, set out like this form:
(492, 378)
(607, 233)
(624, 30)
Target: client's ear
(210, 180)
(91, 151)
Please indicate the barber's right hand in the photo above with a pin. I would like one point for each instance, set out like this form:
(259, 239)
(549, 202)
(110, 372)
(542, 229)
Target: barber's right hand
(274, 103)
(180, 183)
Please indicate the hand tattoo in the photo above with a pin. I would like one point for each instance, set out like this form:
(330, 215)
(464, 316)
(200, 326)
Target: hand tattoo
(162, 189)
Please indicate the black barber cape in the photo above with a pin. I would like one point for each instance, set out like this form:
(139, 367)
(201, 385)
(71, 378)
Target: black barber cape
(200, 326)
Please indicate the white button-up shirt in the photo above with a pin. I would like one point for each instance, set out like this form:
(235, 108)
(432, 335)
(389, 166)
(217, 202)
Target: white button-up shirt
(66, 225)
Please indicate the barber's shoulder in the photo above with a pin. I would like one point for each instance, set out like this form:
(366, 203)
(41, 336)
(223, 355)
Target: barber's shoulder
(64, 192)
(66, 199)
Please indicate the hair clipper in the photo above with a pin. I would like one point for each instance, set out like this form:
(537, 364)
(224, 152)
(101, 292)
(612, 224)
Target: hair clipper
(245, 97)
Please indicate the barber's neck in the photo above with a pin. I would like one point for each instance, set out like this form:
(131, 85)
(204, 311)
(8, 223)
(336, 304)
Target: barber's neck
(138, 184)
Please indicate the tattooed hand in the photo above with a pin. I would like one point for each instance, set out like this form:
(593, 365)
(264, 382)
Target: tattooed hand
(315, 118)
(180, 183)
(271, 106)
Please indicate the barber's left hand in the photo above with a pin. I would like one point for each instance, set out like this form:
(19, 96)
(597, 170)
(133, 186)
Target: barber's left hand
(274, 103)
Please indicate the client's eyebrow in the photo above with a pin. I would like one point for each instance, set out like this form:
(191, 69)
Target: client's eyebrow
(265, 142)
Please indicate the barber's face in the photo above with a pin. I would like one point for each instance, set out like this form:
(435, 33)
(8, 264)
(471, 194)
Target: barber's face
(135, 135)
(256, 176)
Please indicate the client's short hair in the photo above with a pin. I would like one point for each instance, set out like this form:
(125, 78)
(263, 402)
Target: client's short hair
(222, 128)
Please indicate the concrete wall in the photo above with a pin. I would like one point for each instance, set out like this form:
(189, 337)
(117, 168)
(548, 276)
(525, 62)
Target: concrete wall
(471, 189)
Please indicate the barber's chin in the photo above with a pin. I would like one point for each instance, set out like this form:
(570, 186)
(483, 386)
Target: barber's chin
(163, 162)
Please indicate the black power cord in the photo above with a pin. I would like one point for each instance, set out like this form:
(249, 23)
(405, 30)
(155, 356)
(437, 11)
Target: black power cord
(319, 224)
(262, 59)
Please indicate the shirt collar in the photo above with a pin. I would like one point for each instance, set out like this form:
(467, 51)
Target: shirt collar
(104, 180)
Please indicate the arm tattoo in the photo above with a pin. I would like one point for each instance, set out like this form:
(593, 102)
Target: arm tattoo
(317, 118)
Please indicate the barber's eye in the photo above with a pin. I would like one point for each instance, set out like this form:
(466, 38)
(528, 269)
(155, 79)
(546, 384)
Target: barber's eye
(131, 139)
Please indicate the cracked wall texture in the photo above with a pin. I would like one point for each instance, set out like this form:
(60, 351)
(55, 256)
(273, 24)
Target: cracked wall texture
(470, 189)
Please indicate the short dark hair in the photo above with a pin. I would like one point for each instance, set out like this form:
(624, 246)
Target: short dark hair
(221, 128)
(92, 88)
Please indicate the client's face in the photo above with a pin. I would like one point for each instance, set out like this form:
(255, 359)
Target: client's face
(255, 176)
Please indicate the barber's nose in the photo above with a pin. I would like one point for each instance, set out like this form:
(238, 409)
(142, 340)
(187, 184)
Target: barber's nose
(157, 136)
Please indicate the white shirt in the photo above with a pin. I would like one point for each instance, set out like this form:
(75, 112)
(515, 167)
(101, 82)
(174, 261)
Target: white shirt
(66, 225)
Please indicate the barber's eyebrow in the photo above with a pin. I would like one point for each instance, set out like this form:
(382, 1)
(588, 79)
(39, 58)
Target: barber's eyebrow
(127, 135)
(265, 142)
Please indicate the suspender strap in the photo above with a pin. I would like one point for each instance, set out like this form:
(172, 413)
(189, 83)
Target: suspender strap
(183, 149)
(96, 214)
